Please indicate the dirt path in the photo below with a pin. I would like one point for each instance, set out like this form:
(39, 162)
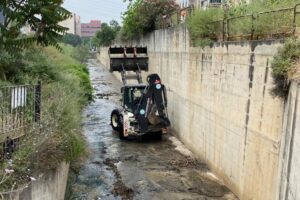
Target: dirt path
(136, 169)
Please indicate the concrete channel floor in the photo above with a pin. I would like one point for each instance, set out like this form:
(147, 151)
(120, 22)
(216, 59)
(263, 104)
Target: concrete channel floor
(139, 169)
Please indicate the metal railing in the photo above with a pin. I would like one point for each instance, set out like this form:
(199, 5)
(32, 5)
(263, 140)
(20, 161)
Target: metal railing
(264, 25)
(20, 108)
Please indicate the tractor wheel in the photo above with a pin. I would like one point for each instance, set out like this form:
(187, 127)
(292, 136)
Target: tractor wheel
(121, 131)
(158, 135)
(116, 121)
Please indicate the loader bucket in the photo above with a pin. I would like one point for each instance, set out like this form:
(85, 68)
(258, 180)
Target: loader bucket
(128, 59)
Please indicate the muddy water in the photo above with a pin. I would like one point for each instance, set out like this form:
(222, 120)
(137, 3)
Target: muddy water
(140, 168)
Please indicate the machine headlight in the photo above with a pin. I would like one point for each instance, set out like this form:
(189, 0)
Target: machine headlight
(158, 86)
(142, 112)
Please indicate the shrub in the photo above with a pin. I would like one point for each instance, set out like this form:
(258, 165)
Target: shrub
(285, 67)
(81, 53)
(72, 39)
(203, 26)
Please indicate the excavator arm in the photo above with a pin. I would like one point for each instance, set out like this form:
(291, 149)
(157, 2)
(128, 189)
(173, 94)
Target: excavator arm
(153, 105)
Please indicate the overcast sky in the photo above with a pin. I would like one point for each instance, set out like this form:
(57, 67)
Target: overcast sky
(104, 10)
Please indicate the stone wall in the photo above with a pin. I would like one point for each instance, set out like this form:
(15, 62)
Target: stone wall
(221, 107)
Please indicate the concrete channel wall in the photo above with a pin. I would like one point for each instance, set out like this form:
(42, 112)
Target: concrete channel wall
(221, 107)
(49, 186)
(290, 177)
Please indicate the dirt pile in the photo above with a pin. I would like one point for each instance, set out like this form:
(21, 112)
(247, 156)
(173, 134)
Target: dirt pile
(120, 189)
(187, 162)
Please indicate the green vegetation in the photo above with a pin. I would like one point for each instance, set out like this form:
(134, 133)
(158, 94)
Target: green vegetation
(74, 40)
(81, 53)
(142, 16)
(65, 90)
(203, 31)
(286, 67)
(244, 21)
(107, 34)
(41, 16)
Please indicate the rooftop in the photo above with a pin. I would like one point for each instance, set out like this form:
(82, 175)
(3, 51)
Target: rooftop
(93, 23)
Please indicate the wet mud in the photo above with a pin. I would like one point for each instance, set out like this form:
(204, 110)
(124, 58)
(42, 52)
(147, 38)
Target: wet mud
(139, 168)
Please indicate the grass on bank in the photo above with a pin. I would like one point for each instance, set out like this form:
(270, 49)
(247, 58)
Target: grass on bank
(65, 90)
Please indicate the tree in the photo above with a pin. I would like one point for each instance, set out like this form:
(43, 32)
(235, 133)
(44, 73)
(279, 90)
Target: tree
(107, 34)
(142, 16)
(72, 39)
(114, 25)
(42, 16)
(86, 41)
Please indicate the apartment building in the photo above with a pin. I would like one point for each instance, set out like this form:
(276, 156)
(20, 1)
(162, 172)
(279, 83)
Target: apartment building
(73, 24)
(90, 29)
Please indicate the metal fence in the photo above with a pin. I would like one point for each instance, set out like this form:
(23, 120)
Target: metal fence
(264, 25)
(20, 108)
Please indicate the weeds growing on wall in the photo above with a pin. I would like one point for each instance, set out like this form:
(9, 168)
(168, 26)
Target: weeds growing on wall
(65, 90)
(286, 67)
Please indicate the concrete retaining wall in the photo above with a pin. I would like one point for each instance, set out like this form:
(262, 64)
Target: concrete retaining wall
(290, 177)
(220, 105)
(49, 187)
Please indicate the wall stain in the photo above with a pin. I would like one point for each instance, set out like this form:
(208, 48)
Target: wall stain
(264, 93)
(250, 76)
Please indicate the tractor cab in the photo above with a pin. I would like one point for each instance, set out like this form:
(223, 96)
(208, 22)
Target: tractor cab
(132, 95)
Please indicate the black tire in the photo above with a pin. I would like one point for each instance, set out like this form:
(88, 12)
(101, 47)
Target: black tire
(158, 135)
(121, 130)
(116, 122)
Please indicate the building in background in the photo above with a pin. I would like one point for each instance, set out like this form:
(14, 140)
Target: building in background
(73, 24)
(89, 29)
(206, 3)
